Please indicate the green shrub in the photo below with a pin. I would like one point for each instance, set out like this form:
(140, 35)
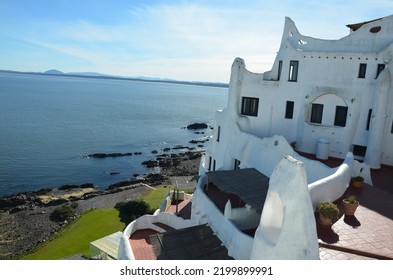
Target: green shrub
(131, 210)
(328, 209)
(63, 213)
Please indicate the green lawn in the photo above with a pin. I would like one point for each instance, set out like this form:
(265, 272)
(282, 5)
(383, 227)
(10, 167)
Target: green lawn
(155, 197)
(91, 226)
(76, 237)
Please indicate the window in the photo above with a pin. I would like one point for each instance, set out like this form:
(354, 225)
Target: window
(369, 119)
(293, 70)
(391, 129)
(362, 70)
(340, 118)
(316, 113)
(359, 150)
(380, 69)
(289, 110)
(279, 70)
(250, 106)
(237, 164)
(212, 160)
(218, 133)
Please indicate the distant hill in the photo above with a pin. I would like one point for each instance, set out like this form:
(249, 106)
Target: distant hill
(105, 76)
(54, 72)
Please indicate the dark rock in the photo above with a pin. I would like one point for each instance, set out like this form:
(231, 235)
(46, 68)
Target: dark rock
(154, 152)
(197, 126)
(199, 141)
(180, 147)
(11, 202)
(166, 149)
(155, 179)
(114, 173)
(104, 155)
(150, 163)
(137, 153)
(119, 184)
(58, 201)
(83, 186)
(87, 186)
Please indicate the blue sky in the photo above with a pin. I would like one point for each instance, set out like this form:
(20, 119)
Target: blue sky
(184, 40)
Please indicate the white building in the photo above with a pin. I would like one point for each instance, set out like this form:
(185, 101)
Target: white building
(333, 98)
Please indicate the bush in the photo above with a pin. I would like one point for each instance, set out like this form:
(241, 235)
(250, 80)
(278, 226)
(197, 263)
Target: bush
(328, 209)
(131, 210)
(63, 213)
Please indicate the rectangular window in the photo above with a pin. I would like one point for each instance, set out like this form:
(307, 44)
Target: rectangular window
(370, 112)
(359, 150)
(316, 113)
(237, 164)
(218, 133)
(289, 110)
(250, 106)
(391, 129)
(279, 70)
(210, 164)
(340, 118)
(380, 69)
(362, 70)
(293, 70)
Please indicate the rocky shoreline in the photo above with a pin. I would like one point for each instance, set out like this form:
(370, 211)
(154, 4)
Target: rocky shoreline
(25, 217)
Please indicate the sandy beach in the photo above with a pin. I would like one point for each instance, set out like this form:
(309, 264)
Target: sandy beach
(23, 228)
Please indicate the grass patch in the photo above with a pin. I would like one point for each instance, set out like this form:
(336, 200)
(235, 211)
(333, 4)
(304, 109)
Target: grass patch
(155, 197)
(92, 225)
(76, 237)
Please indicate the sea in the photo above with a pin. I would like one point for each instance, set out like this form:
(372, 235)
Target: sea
(48, 124)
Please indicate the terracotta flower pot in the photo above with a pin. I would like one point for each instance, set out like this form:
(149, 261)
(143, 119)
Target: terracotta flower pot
(325, 221)
(357, 184)
(349, 209)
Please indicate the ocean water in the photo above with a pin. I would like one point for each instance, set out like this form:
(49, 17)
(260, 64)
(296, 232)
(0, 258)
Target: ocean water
(48, 124)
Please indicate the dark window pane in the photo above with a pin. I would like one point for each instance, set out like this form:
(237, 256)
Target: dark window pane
(380, 69)
(316, 113)
(279, 69)
(369, 119)
(293, 70)
(341, 116)
(362, 70)
(289, 110)
(250, 106)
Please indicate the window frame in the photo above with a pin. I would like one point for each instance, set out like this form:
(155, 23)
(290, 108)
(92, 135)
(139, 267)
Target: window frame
(380, 68)
(362, 70)
(316, 114)
(250, 106)
(293, 70)
(370, 113)
(289, 108)
(279, 70)
(340, 120)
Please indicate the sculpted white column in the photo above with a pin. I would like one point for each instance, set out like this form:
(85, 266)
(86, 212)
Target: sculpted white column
(287, 229)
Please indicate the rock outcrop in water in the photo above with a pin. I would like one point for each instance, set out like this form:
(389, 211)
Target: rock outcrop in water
(196, 126)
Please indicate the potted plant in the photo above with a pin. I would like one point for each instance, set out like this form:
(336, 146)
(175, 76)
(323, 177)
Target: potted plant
(328, 211)
(357, 181)
(350, 204)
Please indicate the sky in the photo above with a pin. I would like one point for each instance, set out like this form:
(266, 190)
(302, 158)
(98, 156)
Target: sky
(178, 39)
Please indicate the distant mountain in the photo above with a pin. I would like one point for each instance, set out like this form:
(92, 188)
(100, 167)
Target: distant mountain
(106, 76)
(89, 74)
(54, 72)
